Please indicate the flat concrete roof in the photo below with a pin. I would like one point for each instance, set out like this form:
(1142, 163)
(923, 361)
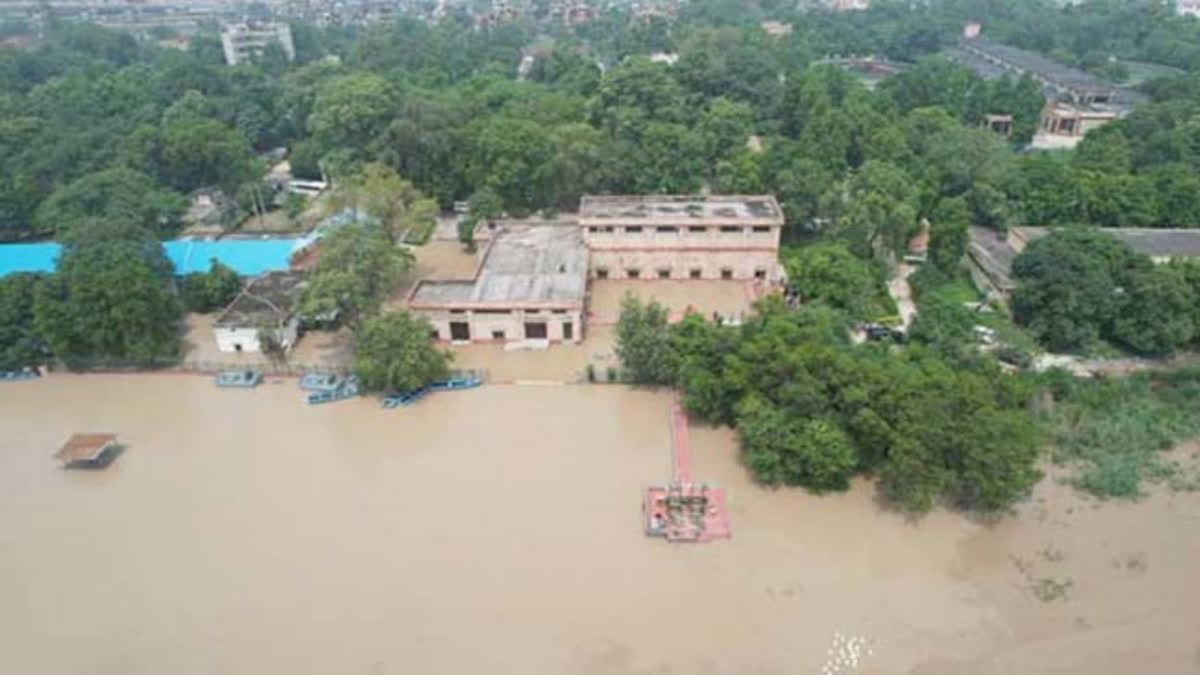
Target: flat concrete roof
(680, 209)
(543, 265)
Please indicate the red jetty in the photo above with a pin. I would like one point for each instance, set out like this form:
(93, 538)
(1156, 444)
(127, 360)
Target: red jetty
(684, 511)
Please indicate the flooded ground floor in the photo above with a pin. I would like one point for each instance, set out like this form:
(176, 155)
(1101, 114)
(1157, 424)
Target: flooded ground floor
(498, 531)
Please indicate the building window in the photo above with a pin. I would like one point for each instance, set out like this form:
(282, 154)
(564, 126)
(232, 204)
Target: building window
(458, 311)
(730, 228)
(666, 228)
(493, 311)
(433, 335)
(593, 229)
(633, 229)
(633, 273)
(695, 273)
(601, 272)
(533, 311)
(568, 330)
(698, 229)
(762, 228)
(608, 228)
(497, 335)
(535, 331)
(760, 274)
(460, 331)
(664, 274)
(558, 311)
(726, 273)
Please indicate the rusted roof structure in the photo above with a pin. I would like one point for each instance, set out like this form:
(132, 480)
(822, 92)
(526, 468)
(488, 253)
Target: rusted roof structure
(85, 448)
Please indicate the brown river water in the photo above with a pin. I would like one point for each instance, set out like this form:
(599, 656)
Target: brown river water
(497, 531)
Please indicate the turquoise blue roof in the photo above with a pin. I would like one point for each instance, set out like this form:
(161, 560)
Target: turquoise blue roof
(247, 257)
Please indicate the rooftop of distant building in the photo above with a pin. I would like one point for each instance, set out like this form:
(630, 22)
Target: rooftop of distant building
(762, 209)
(543, 265)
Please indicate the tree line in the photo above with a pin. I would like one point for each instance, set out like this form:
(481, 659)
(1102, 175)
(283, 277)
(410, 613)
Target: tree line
(93, 122)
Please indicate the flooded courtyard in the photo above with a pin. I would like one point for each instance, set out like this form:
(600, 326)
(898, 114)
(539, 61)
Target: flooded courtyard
(498, 530)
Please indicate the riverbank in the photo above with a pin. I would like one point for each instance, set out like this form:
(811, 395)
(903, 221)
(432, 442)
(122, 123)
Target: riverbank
(497, 530)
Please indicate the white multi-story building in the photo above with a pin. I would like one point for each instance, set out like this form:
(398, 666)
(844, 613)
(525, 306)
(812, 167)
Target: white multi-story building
(246, 42)
(1187, 7)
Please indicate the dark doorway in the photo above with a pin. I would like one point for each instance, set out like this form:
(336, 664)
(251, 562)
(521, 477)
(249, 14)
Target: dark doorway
(726, 273)
(535, 331)
(568, 330)
(497, 335)
(460, 331)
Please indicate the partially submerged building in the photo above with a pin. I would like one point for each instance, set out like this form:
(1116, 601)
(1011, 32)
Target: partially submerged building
(530, 284)
(677, 237)
(264, 307)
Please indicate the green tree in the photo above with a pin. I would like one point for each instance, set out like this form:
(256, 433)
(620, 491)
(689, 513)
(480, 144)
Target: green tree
(20, 345)
(204, 292)
(393, 352)
(115, 193)
(643, 344)
(830, 273)
(348, 111)
(358, 264)
(948, 233)
(1156, 316)
(200, 153)
(1067, 285)
(110, 299)
(782, 450)
(378, 192)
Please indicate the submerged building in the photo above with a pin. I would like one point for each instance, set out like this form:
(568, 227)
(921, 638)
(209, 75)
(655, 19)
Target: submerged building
(531, 282)
(670, 237)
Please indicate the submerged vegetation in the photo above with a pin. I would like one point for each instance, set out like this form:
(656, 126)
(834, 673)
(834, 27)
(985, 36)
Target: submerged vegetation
(1115, 432)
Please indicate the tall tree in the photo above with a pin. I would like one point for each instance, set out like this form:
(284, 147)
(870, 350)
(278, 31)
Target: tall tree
(393, 352)
(358, 265)
(110, 299)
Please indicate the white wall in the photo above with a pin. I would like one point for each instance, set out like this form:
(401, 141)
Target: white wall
(228, 338)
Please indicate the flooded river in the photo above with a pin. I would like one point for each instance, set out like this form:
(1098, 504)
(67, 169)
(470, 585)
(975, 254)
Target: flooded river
(497, 531)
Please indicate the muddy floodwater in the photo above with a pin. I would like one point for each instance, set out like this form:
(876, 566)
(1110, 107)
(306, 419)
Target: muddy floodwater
(497, 531)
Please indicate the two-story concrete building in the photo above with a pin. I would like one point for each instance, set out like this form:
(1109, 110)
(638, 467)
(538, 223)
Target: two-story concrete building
(675, 237)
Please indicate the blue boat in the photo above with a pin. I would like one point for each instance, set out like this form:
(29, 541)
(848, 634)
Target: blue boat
(244, 379)
(455, 383)
(405, 398)
(349, 389)
(16, 375)
(325, 382)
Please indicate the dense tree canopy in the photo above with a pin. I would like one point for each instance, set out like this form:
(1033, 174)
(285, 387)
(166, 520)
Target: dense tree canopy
(394, 352)
(813, 411)
(110, 299)
(359, 264)
(1077, 286)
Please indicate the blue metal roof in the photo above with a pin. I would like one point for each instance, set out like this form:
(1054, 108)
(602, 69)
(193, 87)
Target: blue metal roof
(247, 257)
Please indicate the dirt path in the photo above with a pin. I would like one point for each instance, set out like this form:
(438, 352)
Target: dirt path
(900, 291)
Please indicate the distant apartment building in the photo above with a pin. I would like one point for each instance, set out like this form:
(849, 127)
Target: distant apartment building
(244, 42)
(1187, 7)
(670, 237)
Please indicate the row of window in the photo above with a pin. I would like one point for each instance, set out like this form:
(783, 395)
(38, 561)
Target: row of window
(507, 311)
(665, 273)
(667, 229)
(461, 331)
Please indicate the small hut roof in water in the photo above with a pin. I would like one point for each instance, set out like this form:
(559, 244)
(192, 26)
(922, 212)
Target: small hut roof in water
(87, 450)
